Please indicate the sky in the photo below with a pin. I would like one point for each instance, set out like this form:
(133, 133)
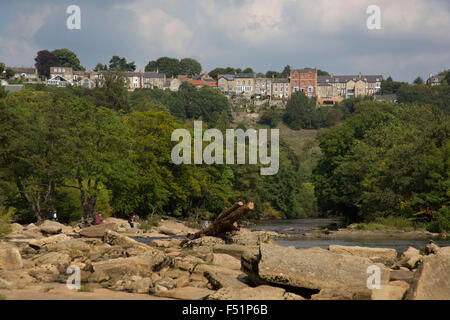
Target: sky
(414, 39)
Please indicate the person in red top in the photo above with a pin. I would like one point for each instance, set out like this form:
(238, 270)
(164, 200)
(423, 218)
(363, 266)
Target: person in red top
(99, 219)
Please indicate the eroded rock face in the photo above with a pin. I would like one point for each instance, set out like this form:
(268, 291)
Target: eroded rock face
(10, 258)
(432, 278)
(257, 293)
(134, 284)
(204, 242)
(378, 255)
(116, 239)
(309, 269)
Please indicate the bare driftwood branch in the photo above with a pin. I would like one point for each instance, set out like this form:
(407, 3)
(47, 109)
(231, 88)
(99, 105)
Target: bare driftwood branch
(225, 222)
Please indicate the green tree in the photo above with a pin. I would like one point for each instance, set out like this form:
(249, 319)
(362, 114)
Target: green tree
(68, 58)
(33, 145)
(100, 67)
(112, 93)
(2, 68)
(44, 60)
(299, 111)
(121, 64)
(274, 74)
(169, 66)
(100, 153)
(418, 81)
(190, 67)
(286, 72)
(322, 73)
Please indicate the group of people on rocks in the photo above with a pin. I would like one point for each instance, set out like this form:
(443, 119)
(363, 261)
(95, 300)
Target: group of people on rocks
(98, 218)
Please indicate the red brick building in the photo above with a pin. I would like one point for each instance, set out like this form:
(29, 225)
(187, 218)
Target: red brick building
(304, 80)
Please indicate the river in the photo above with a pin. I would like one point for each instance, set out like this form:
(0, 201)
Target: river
(300, 226)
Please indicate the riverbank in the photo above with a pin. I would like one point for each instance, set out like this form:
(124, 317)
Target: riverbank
(245, 265)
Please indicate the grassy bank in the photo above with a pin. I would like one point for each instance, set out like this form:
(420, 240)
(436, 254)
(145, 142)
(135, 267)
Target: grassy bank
(390, 223)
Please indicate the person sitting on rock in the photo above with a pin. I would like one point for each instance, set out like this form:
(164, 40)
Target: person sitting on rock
(99, 219)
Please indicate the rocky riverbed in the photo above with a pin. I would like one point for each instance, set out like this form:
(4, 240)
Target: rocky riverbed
(247, 265)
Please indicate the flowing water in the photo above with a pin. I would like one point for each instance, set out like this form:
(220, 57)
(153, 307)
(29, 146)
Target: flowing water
(300, 226)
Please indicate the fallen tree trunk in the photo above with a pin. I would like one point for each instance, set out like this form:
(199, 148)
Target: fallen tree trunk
(225, 222)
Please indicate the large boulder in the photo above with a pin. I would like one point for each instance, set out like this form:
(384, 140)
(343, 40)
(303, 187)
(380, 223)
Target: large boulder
(309, 269)
(10, 258)
(142, 265)
(97, 231)
(410, 258)
(258, 293)
(171, 227)
(15, 227)
(252, 238)
(39, 243)
(53, 258)
(382, 255)
(52, 227)
(432, 278)
(119, 223)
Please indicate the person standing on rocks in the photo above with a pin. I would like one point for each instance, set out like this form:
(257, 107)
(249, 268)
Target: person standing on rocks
(54, 216)
(131, 221)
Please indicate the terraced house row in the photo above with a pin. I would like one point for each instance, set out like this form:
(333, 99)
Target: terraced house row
(327, 89)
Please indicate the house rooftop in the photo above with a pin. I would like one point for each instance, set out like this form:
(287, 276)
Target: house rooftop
(245, 75)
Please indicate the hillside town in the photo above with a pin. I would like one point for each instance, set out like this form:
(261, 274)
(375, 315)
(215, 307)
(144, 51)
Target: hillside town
(327, 89)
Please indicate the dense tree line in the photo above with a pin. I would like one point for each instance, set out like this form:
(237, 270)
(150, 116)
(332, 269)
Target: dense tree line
(387, 159)
(84, 151)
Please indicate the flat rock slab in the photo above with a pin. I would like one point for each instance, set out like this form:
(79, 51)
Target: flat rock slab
(310, 269)
(61, 292)
(185, 293)
(257, 293)
(381, 255)
(226, 261)
(234, 250)
(402, 275)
